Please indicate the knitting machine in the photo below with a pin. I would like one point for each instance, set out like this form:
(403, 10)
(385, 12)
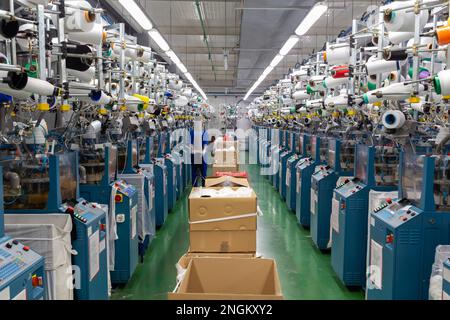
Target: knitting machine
(100, 184)
(284, 157)
(404, 233)
(376, 169)
(305, 169)
(291, 169)
(21, 268)
(49, 185)
(339, 164)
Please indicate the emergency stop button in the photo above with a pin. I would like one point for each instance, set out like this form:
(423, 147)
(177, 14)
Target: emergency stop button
(26, 248)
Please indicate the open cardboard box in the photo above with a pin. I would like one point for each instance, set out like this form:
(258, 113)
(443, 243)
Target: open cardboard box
(226, 181)
(225, 167)
(229, 279)
(188, 256)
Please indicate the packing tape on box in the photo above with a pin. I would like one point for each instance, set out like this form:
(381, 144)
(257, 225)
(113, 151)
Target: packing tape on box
(242, 216)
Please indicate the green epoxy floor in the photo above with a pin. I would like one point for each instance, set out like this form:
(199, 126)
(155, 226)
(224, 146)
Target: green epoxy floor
(304, 271)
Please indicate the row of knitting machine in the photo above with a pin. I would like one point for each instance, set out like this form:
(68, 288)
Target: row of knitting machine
(356, 142)
(95, 150)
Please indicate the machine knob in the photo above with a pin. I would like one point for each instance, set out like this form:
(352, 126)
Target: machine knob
(8, 245)
(26, 248)
(389, 200)
(15, 242)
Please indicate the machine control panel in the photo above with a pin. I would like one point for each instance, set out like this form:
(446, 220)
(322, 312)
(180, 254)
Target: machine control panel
(350, 188)
(293, 158)
(304, 163)
(396, 213)
(84, 211)
(14, 259)
(322, 171)
(124, 188)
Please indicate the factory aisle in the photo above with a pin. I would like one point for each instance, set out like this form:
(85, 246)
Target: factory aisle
(305, 272)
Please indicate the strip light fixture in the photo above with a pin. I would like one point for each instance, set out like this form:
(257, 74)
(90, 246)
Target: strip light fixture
(143, 20)
(311, 18)
(136, 12)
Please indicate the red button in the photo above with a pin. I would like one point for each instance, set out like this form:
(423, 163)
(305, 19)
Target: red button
(389, 238)
(389, 200)
(26, 248)
(70, 210)
(36, 281)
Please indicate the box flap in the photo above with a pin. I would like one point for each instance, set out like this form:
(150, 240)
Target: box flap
(226, 181)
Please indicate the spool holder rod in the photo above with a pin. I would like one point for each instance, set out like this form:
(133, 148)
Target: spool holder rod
(41, 45)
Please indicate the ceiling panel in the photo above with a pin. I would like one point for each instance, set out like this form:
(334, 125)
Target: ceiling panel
(253, 31)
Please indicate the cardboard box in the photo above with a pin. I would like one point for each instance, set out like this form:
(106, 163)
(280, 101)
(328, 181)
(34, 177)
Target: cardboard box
(223, 156)
(226, 181)
(221, 223)
(221, 144)
(203, 206)
(188, 256)
(225, 167)
(223, 241)
(229, 279)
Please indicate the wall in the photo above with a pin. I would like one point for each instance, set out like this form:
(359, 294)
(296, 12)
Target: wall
(219, 100)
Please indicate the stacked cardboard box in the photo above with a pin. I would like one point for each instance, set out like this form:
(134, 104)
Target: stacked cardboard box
(226, 157)
(221, 263)
(223, 223)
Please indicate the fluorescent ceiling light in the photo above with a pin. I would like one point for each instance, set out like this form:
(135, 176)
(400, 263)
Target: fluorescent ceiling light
(136, 12)
(195, 85)
(311, 18)
(290, 43)
(268, 70)
(173, 57)
(182, 67)
(160, 41)
(276, 60)
(189, 77)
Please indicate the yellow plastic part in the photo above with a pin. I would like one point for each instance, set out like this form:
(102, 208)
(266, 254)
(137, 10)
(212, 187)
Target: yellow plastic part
(352, 112)
(144, 99)
(414, 100)
(43, 106)
(123, 108)
(64, 108)
(103, 111)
